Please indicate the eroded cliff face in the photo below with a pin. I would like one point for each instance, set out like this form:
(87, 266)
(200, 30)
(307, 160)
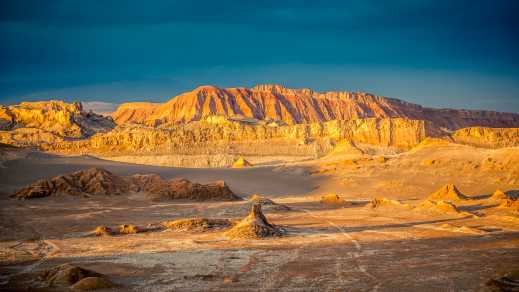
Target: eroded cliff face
(487, 137)
(31, 123)
(238, 138)
(297, 106)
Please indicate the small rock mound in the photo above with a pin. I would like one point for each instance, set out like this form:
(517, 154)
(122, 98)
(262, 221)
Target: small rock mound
(241, 163)
(92, 283)
(448, 192)
(267, 203)
(254, 226)
(92, 181)
(66, 275)
(196, 224)
(439, 206)
(509, 204)
(499, 195)
(183, 189)
(384, 202)
(332, 199)
(128, 229)
(103, 231)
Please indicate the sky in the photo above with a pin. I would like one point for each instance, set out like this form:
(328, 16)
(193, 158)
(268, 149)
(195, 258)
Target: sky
(460, 54)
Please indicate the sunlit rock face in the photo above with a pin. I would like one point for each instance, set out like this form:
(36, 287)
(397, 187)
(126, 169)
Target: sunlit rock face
(237, 137)
(488, 137)
(48, 121)
(296, 106)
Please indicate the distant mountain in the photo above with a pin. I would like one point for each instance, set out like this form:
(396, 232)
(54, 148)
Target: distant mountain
(297, 106)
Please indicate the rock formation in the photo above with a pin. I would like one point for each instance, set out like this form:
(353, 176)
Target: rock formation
(67, 275)
(487, 137)
(332, 199)
(103, 231)
(295, 106)
(183, 189)
(237, 138)
(509, 204)
(241, 163)
(448, 192)
(438, 206)
(98, 181)
(499, 195)
(384, 202)
(64, 120)
(254, 226)
(128, 229)
(92, 181)
(266, 203)
(196, 224)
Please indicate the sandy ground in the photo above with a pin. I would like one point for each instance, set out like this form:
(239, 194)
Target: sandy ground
(349, 247)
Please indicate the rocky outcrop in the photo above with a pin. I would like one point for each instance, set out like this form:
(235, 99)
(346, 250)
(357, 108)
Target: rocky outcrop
(50, 121)
(57, 117)
(487, 137)
(296, 106)
(93, 181)
(438, 206)
(183, 189)
(98, 181)
(376, 203)
(448, 192)
(241, 163)
(254, 226)
(67, 275)
(266, 203)
(239, 138)
(196, 224)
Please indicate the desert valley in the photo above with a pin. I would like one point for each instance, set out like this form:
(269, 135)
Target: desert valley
(259, 189)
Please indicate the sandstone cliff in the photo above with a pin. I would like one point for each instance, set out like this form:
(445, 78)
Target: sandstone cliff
(48, 121)
(231, 137)
(487, 137)
(296, 106)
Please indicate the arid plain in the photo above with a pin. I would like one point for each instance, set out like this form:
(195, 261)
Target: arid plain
(261, 189)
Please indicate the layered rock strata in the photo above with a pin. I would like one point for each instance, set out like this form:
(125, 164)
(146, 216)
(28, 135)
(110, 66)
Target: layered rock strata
(243, 139)
(297, 106)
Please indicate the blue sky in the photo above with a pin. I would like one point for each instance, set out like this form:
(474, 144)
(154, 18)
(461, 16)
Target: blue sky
(461, 54)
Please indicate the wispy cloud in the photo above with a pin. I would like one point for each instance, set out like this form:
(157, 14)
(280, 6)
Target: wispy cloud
(100, 107)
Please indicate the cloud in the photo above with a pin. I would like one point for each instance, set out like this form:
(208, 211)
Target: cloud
(99, 107)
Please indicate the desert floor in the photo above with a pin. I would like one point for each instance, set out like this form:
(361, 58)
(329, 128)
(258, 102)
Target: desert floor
(327, 247)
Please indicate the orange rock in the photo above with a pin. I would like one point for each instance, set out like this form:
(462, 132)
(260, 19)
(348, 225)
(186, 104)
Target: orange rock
(448, 192)
(294, 106)
(241, 163)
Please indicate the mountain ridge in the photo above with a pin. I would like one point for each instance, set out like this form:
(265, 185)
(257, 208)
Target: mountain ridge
(298, 106)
